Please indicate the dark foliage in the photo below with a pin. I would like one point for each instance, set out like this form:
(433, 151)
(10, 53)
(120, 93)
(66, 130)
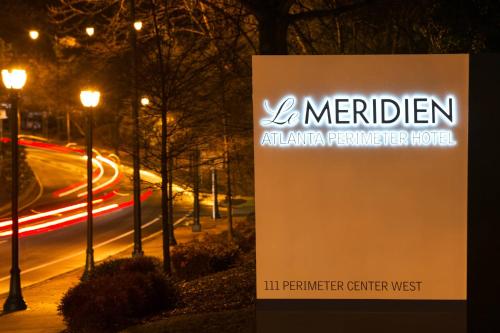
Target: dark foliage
(199, 258)
(27, 181)
(230, 289)
(119, 266)
(219, 302)
(117, 294)
(244, 234)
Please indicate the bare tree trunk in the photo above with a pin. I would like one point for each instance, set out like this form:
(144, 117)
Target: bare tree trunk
(229, 193)
(273, 22)
(164, 173)
(273, 31)
(227, 160)
(274, 17)
(116, 135)
(170, 158)
(195, 172)
(68, 126)
(137, 252)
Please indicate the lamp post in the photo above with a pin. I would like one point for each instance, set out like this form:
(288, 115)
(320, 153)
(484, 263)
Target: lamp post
(215, 193)
(14, 80)
(227, 154)
(134, 27)
(90, 100)
(170, 172)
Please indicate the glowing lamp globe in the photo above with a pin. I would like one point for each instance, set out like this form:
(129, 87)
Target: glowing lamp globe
(90, 31)
(34, 34)
(137, 25)
(145, 101)
(14, 79)
(90, 98)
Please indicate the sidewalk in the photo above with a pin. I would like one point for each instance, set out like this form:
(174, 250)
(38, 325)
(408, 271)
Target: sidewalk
(43, 298)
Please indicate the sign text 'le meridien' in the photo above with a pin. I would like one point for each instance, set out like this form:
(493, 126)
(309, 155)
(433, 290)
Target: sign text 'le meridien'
(409, 120)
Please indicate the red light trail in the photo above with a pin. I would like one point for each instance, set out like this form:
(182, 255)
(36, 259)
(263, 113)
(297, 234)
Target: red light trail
(75, 212)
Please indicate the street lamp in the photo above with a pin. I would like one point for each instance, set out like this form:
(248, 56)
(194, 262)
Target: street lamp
(144, 101)
(90, 100)
(90, 31)
(14, 81)
(34, 34)
(137, 25)
(215, 193)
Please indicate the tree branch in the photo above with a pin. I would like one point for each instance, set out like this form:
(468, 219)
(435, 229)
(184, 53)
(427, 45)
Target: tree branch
(315, 14)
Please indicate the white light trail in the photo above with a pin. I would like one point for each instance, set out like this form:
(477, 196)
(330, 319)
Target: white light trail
(114, 166)
(59, 221)
(49, 213)
(94, 180)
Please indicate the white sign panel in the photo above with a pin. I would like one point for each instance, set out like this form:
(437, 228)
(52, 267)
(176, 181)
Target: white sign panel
(361, 176)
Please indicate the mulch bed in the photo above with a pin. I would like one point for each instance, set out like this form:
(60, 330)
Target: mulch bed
(230, 289)
(219, 303)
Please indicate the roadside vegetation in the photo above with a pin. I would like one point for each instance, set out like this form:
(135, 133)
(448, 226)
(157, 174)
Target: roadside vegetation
(27, 181)
(213, 283)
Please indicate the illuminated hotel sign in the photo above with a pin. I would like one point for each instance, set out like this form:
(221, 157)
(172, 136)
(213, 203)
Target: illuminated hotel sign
(356, 121)
(361, 176)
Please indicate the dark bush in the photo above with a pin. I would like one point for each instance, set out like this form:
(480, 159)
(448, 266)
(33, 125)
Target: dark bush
(244, 234)
(117, 294)
(199, 258)
(117, 266)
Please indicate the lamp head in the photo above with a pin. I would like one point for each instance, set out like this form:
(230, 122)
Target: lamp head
(34, 34)
(14, 78)
(90, 98)
(145, 101)
(90, 31)
(137, 25)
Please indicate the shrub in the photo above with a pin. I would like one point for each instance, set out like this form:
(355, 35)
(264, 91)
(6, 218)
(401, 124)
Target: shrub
(244, 234)
(117, 294)
(199, 258)
(118, 266)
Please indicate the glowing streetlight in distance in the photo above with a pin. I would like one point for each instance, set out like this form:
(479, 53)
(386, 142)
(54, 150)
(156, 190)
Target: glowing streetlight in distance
(145, 101)
(90, 31)
(14, 79)
(34, 34)
(90, 98)
(138, 25)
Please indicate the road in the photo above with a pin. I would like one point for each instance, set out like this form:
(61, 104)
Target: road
(54, 244)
